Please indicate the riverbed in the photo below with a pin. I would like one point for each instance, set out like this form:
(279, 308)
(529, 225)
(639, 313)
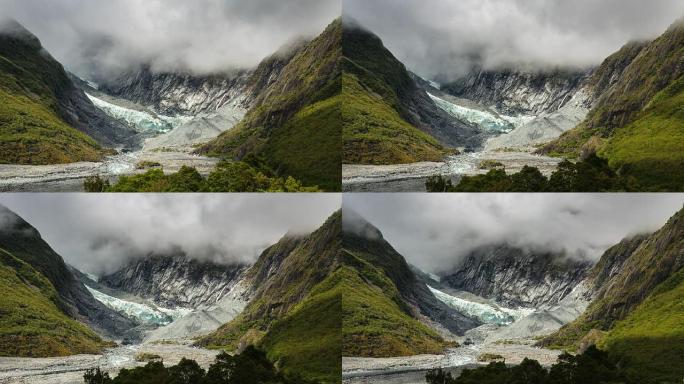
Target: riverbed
(412, 177)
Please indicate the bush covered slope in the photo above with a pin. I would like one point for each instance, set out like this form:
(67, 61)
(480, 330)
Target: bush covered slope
(637, 122)
(31, 322)
(294, 127)
(31, 129)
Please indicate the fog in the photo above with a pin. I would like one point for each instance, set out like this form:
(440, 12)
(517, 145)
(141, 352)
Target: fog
(435, 231)
(98, 233)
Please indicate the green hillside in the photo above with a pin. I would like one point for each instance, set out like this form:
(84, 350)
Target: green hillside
(294, 128)
(378, 124)
(302, 299)
(31, 324)
(650, 340)
(637, 122)
(31, 129)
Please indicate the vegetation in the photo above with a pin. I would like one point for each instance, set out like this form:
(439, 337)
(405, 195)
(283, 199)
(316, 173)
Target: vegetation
(637, 124)
(146, 164)
(590, 175)
(294, 128)
(31, 322)
(378, 127)
(304, 299)
(486, 357)
(145, 357)
(375, 133)
(593, 366)
(229, 176)
(250, 366)
(31, 128)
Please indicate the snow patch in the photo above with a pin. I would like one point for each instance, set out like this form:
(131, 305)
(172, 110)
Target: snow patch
(142, 312)
(486, 313)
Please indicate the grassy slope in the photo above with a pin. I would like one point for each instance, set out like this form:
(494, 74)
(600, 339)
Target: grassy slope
(317, 356)
(652, 147)
(637, 122)
(293, 126)
(376, 322)
(651, 337)
(375, 133)
(31, 324)
(653, 261)
(285, 308)
(31, 132)
(375, 128)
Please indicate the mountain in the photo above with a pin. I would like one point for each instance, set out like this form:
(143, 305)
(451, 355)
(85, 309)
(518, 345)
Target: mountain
(293, 127)
(517, 277)
(387, 117)
(45, 118)
(294, 306)
(45, 304)
(175, 280)
(174, 94)
(636, 124)
(637, 288)
(386, 307)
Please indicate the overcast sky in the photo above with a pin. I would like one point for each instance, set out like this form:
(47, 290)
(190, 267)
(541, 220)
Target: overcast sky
(202, 35)
(444, 37)
(433, 231)
(97, 233)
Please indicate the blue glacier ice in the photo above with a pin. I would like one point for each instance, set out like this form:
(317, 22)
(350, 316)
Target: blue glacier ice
(141, 312)
(483, 119)
(140, 120)
(486, 313)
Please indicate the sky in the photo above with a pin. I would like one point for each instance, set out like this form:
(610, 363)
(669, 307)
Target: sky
(99, 233)
(435, 231)
(443, 38)
(202, 36)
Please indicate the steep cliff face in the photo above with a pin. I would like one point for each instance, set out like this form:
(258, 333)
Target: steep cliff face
(25, 243)
(624, 277)
(514, 92)
(176, 280)
(517, 277)
(180, 93)
(46, 118)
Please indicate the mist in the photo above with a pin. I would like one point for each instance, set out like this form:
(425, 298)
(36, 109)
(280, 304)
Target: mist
(435, 231)
(443, 39)
(103, 38)
(100, 233)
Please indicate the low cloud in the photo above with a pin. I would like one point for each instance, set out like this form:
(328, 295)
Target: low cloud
(202, 36)
(435, 231)
(445, 38)
(99, 233)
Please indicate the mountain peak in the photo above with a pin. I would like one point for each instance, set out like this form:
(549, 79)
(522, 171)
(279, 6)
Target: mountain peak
(12, 28)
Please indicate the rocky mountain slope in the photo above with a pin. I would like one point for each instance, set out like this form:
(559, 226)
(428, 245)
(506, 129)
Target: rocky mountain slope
(293, 127)
(386, 306)
(387, 117)
(635, 124)
(46, 119)
(517, 277)
(37, 265)
(294, 305)
(175, 280)
(630, 314)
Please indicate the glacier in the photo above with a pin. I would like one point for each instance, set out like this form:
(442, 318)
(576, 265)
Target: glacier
(486, 313)
(142, 312)
(483, 119)
(140, 120)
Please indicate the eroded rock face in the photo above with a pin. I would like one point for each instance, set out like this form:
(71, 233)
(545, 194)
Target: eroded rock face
(518, 92)
(176, 280)
(516, 277)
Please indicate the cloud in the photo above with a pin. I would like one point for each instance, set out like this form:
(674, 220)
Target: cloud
(435, 231)
(98, 233)
(202, 36)
(444, 38)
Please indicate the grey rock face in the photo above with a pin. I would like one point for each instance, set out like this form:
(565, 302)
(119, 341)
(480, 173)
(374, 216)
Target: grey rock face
(517, 92)
(516, 277)
(179, 93)
(176, 280)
